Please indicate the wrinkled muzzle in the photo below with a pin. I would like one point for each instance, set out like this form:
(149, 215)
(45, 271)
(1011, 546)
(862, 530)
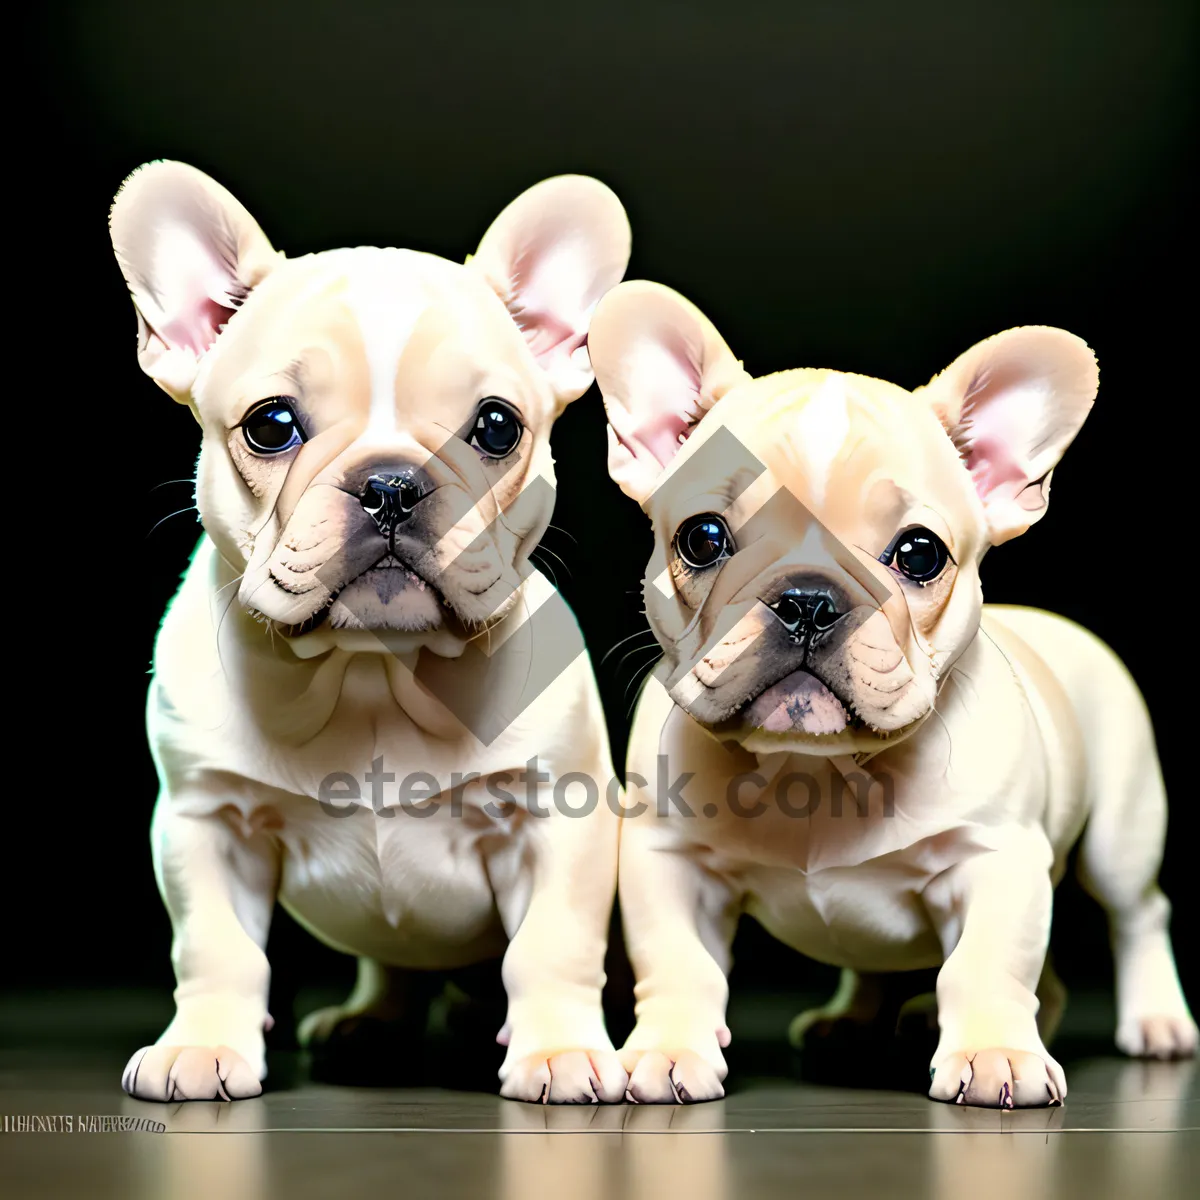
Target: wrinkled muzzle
(805, 651)
(393, 547)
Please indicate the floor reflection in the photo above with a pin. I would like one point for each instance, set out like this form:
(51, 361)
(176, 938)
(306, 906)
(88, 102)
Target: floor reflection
(634, 1151)
(211, 1149)
(1128, 1129)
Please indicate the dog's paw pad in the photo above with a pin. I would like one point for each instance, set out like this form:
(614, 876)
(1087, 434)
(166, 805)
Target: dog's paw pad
(173, 1073)
(566, 1077)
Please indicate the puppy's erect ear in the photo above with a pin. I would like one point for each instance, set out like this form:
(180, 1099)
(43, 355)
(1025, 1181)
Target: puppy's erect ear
(1013, 404)
(550, 256)
(190, 254)
(661, 366)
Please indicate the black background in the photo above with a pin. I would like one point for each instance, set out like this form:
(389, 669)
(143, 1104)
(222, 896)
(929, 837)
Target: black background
(867, 186)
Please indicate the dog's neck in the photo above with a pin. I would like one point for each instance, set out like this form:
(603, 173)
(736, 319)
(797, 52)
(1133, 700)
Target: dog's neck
(294, 686)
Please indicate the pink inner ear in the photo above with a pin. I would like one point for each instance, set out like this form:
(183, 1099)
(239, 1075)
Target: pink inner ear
(673, 380)
(195, 329)
(196, 289)
(1003, 424)
(992, 466)
(662, 435)
(546, 301)
(545, 333)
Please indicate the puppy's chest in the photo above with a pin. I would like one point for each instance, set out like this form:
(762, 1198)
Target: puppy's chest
(383, 851)
(412, 887)
(422, 874)
(845, 888)
(869, 916)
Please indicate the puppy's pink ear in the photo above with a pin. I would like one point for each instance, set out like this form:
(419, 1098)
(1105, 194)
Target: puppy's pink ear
(1013, 404)
(661, 365)
(190, 254)
(550, 256)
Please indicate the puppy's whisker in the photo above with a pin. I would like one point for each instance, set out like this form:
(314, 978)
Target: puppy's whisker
(484, 630)
(528, 623)
(640, 633)
(690, 626)
(236, 580)
(949, 739)
(1011, 668)
(546, 567)
(178, 512)
(168, 482)
(221, 626)
(560, 529)
(639, 677)
(269, 518)
(636, 650)
(271, 513)
(956, 670)
(557, 557)
(234, 597)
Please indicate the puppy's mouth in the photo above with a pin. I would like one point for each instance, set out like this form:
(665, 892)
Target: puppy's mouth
(802, 713)
(798, 703)
(388, 595)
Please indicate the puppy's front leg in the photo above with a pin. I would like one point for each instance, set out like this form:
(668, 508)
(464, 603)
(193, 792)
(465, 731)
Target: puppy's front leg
(993, 914)
(679, 922)
(219, 888)
(559, 1051)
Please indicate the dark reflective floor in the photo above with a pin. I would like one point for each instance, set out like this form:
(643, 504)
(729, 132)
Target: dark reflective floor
(1128, 1130)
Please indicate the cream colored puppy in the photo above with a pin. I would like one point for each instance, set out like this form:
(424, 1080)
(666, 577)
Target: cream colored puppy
(841, 739)
(365, 702)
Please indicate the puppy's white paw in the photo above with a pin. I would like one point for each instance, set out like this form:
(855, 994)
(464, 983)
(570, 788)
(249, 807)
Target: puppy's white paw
(998, 1079)
(1159, 1037)
(671, 1077)
(566, 1077)
(171, 1073)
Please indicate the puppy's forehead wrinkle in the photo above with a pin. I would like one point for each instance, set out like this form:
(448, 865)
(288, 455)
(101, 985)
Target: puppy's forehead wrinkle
(716, 497)
(296, 373)
(719, 455)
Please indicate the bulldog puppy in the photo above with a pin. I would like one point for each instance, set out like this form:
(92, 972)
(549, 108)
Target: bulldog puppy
(841, 740)
(365, 702)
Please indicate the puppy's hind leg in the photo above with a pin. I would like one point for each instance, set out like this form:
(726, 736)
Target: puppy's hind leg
(1052, 1001)
(917, 1016)
(1119, 861)
(377, 1031)
(854, 1032)
(864, 1001)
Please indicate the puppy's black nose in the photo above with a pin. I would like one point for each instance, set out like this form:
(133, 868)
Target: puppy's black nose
(805, 612)
(390, 499)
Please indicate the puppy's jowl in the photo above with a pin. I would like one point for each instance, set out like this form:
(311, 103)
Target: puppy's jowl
(918, 765)
(375, 471)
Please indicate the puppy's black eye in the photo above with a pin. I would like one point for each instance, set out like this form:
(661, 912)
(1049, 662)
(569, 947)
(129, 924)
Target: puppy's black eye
(497, 429)
(703, 540)
(272, 428)
(918, 554)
